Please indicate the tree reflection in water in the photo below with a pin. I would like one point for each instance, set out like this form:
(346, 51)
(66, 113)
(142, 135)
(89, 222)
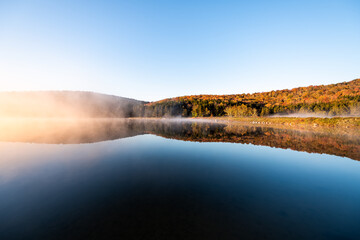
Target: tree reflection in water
(67, 131)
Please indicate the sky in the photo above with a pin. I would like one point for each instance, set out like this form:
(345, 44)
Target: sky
(150, 50)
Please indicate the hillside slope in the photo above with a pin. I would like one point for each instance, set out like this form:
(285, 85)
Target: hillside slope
(328, 100)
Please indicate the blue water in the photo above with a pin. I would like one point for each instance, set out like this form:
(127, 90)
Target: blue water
(149, 187)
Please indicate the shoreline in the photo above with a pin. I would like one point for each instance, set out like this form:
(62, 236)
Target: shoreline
(333, 125)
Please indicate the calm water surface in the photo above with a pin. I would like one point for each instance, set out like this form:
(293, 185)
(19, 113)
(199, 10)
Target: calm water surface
(176, 180)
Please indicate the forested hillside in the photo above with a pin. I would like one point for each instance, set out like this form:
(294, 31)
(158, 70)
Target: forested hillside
(326, 100)
(66, 104)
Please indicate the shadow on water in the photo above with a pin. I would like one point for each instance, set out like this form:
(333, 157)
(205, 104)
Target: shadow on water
(91, 131)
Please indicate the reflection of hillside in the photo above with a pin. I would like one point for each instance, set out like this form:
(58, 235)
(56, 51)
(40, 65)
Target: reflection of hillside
(89, 131)
(312, 142)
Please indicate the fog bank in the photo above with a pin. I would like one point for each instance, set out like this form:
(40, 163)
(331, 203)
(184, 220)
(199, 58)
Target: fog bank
(65, 104)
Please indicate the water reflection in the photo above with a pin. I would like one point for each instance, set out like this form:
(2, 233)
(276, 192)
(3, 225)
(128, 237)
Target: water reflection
(142, 186)
(90, 131)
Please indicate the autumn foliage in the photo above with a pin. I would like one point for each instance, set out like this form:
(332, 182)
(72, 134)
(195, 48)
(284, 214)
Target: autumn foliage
(328, 100)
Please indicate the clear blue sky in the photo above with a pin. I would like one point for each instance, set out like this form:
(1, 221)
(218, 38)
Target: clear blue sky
(151, 50)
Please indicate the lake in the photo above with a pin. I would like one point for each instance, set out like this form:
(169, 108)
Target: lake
(175, 179)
